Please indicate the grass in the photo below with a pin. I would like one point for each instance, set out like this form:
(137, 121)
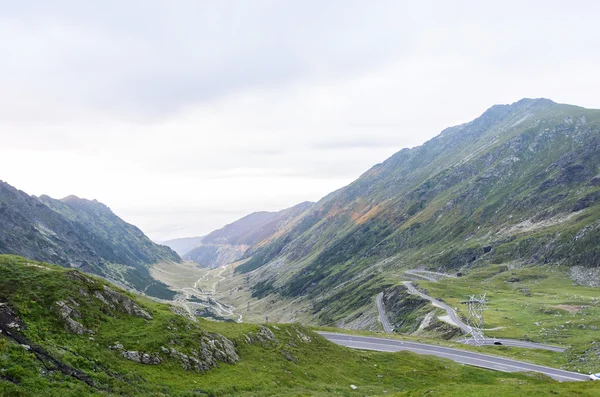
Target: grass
(290, 366)
(539, 304)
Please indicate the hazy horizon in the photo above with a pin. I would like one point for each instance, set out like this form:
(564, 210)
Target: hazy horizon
(185, 117)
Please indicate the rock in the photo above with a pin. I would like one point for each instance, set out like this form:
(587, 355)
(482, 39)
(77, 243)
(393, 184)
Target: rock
(218, 348)
(188, 363)
(117, 346)
(264, 336)
(122, 303)
(78, 276)
(65, 313)
(180, 311)
(9, 321)
(142, 358)
(302, 336)
(214, 348)
(288, 356)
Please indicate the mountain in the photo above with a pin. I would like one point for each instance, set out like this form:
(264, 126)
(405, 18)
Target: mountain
(229, 243)
(520, 184)
(183, 245)
(79, 233)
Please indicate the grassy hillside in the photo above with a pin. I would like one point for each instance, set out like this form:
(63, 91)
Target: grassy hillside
(79, 233)
(68, 334)
(42, 350)
(519, 184)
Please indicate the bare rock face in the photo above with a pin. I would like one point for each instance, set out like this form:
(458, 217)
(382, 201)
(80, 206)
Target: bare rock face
(589, 277)
(302, 336)
(218, 348)
(142, 358)
(108, 297)
(214, 348)
(188, 362)
(264, 336)
(122, 303)
(9, 321)
(66, 314)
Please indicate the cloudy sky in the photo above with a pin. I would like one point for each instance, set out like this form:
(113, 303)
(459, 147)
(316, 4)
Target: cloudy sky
(186, 115)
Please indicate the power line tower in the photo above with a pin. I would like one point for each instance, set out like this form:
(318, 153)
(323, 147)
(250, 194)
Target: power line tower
(476, 305)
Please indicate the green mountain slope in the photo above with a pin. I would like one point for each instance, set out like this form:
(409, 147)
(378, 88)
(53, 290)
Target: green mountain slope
(519, 184)
(229, 243)
(65, 333)
(79, 233)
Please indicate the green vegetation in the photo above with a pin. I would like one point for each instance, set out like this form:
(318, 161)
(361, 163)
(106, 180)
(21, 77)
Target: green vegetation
(539, 304)
(282, 360)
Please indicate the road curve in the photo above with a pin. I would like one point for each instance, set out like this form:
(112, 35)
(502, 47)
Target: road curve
(382, 316)
(451, 312)
(465, 328)
(460, 356)
(428, 275)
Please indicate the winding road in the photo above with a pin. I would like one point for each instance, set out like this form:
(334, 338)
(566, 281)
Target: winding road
(460, 356)
(220, 308)
(453, 317)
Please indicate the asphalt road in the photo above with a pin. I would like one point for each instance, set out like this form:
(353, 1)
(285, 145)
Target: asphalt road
(451, 312)
(460, 356)
(427, 275)
(465, 328)
(382, 316)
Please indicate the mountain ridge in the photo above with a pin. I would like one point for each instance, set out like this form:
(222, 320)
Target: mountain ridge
(79, 233)
(444, 204)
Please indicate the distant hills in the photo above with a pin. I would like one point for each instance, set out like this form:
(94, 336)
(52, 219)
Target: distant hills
(520, 184)
(82, 234)
(183, 245)
(230, 243)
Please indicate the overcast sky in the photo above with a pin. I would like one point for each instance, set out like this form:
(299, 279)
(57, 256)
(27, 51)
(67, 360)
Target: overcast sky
(186, 115)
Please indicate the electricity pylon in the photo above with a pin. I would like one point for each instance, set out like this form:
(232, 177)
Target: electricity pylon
(476, 305)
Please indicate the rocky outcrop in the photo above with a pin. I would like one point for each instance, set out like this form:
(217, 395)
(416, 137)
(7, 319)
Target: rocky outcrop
(121, 303)
(589, 277)
(218, 348)
(137, 356)
(213, 348)
(110, 301)
(66, 314)
(9, 321)
(142, 358)
(263, 336)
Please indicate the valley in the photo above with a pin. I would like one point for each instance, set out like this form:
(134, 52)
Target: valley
(506, 206)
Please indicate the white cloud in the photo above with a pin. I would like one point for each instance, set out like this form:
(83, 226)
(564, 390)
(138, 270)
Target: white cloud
(183, 116)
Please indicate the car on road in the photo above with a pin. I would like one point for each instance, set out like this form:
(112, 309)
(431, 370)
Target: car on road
(595, 376)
